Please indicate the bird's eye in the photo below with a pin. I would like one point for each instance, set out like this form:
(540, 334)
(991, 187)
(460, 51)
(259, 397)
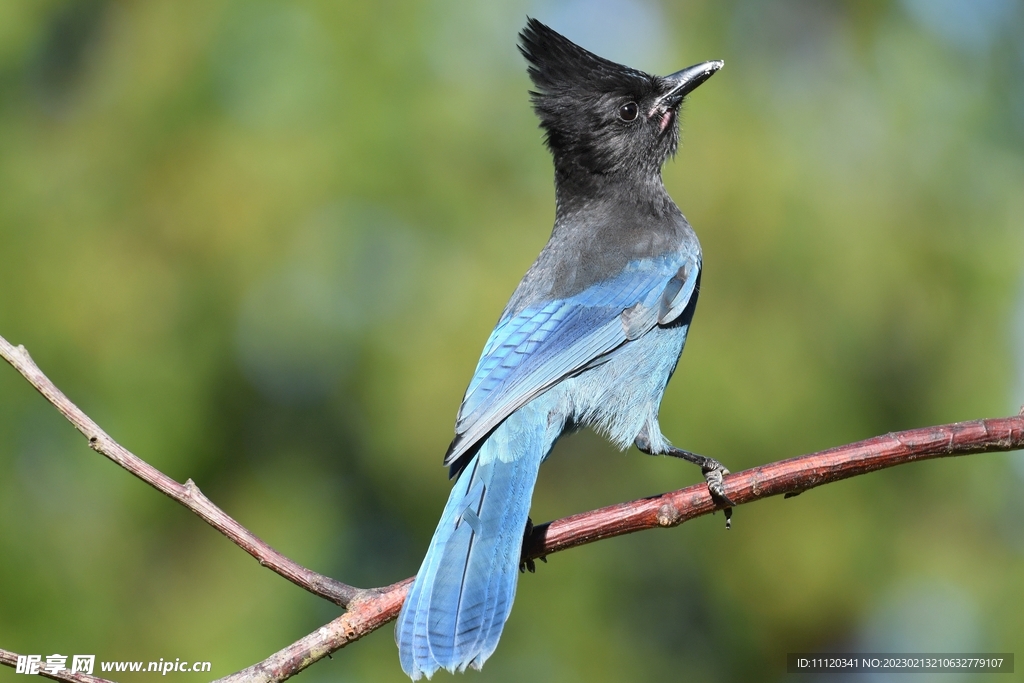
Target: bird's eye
(628, 111)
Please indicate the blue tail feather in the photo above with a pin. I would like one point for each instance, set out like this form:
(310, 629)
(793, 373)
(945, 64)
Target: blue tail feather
(463, 593)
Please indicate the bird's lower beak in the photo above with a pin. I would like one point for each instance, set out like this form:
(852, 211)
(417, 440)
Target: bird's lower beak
(682, 82)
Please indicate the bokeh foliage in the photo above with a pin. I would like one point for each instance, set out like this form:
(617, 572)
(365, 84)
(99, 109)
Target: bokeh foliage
(262, 244)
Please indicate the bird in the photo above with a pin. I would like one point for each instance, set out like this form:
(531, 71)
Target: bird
(589, 338)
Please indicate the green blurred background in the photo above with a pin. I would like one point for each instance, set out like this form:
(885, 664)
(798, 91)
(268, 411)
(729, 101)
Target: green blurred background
(262, 244)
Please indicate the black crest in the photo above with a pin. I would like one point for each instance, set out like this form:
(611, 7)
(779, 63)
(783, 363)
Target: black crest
(559, 66)
(584, 103)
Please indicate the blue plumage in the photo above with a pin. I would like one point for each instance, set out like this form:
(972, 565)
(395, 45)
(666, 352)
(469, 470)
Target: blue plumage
(590, 338)
(463, 593)
(546, 342)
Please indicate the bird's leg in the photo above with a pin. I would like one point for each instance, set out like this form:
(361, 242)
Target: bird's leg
(528, 565)
(713, 471)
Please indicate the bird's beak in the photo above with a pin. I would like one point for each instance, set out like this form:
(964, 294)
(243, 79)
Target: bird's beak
(682, 82)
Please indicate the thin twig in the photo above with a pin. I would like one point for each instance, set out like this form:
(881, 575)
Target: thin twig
(668, 510)
(11, 659)
(188, 494)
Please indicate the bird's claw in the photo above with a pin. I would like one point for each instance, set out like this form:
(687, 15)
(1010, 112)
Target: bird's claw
(526, 564)
(529, 565)
(714, 475)
(714, 472)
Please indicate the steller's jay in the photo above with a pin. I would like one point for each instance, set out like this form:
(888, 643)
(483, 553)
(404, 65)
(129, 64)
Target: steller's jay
(589, 338)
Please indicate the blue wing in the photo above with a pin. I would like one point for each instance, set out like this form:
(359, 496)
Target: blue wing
(529, 352)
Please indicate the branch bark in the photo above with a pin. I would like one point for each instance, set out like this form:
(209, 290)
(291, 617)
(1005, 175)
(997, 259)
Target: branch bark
(369, 609)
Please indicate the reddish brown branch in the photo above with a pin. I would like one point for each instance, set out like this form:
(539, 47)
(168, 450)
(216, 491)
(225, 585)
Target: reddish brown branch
(11, 659)
(668, 510)
(783, 477)
(370, 609)
(188, 494)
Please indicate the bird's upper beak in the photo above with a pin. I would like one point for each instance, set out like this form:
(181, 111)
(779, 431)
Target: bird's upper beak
(682, 82)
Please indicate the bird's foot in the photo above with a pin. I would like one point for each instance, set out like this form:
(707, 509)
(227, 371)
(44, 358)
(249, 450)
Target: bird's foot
(714, 474)
(714, 477)
(530, 565)
(526, 564)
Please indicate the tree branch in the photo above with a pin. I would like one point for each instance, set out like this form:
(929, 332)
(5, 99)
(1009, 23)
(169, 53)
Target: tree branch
(188, 494)
(788, 477)
(369, 609)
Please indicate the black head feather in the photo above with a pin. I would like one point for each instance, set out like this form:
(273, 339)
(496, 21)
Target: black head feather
(560, 67)
(600, 118)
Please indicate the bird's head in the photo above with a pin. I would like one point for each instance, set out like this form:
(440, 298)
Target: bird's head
(603, 118)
